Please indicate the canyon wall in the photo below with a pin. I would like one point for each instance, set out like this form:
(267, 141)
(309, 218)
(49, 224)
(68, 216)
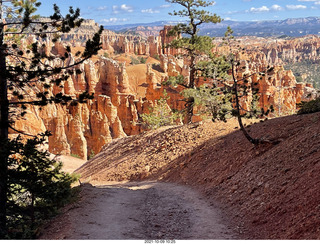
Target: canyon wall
(296, 50)
(278, 51)
(123, 92)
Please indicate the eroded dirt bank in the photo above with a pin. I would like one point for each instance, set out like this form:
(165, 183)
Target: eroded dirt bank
(145, 210)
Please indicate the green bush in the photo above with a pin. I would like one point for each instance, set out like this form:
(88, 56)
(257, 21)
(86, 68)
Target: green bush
(160, 114)
(156, 56)
(312, 106)
(139, 60)
(134, 61)
(142, 60)
(211, 101)
(106, 55)
(75, 155)
(37, 188)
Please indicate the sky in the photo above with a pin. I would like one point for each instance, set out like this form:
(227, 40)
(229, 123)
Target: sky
(118, 12)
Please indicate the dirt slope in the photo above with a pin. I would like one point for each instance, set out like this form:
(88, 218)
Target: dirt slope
(269, 192)
(138, 157)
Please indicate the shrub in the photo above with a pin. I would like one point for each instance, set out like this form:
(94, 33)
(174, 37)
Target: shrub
(37, 188)
(143, 60)
(312, 106)
(134, 61)
(211, 101)
(139, 60)
(160, 114)
(156, 56)
(106, 55)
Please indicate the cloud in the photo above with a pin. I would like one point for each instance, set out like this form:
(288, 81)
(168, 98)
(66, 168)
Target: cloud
(276, 7)
(126, 8)
(122, 8)
(228, 18)
(259, 10)
(115, 9)
(165, 6)
(101, 8)
(150, 11)
(156, 9)
(112, 20)
(316, 2)
(295, 7)
(235, 12)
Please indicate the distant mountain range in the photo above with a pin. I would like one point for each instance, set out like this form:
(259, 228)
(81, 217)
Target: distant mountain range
(294, 27)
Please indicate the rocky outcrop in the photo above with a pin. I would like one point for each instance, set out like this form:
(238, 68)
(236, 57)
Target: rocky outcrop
(277, 88)
(83, 129)
(166, 39)
(279, 51)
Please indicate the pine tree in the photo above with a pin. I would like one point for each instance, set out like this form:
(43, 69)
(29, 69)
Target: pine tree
(240, 89)
(190, 43)
(36, 187)
(28, 68)
(221, 96)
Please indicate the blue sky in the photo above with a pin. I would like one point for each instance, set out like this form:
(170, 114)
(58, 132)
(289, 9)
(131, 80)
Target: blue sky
(111, 12)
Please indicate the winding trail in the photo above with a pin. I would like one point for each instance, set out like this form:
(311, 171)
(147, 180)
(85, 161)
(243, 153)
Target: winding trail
(144, 210)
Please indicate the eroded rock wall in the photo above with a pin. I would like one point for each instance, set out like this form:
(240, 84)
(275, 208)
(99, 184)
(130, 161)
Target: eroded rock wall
(84, 129)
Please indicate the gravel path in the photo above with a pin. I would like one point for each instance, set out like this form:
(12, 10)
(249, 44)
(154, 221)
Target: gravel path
(147, 210)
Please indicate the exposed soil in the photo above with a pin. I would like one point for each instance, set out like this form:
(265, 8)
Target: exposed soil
(265, 192)
(147, 210)
(70, 164)
(137, 75)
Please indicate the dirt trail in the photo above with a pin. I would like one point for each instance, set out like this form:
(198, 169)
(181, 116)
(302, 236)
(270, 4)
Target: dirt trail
(147, 210)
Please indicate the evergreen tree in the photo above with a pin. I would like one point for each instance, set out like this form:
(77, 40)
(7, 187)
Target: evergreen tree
(36, 187)
(223, 94)
(24, 68)
(190, 43)
(212, 101)
(240, 88)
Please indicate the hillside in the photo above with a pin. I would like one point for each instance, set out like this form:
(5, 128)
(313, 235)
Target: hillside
(268, 192)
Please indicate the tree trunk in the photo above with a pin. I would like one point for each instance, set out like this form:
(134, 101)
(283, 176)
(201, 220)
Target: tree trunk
(190, 102)
(189, 109)
(4, 113)
(235, 89)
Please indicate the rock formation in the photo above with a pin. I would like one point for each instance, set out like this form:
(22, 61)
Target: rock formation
(122, 92)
